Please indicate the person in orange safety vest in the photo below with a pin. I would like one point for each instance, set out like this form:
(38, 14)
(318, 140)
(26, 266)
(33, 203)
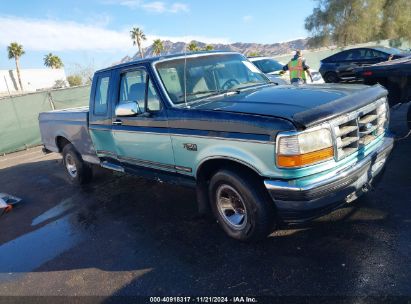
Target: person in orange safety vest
(298, 69)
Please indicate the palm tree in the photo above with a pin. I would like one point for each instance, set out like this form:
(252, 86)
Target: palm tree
(53, 61)
(158, 47)
(138, 36)
(15, 51)
(192, 47)
(209, 47)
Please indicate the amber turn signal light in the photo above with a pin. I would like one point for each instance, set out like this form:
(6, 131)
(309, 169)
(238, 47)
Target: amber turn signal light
(300, 160)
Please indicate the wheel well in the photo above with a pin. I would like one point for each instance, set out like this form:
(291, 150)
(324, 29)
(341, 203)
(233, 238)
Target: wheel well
(61, 142)
(208, 169)
(327, 74)
(330, 73)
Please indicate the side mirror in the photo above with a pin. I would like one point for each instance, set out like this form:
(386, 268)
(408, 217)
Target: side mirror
(128, 109)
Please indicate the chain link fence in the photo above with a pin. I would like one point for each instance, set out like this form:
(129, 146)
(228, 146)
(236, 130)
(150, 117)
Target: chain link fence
(19, 127)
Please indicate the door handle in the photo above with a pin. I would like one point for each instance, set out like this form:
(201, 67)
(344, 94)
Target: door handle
(117, 123)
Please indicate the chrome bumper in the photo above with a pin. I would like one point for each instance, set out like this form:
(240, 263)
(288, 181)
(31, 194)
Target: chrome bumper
(328, 190)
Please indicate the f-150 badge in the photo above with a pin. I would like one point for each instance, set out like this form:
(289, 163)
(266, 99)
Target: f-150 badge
(190, 147)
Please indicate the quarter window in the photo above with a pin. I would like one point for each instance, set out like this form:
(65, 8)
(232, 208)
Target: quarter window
(339, 56)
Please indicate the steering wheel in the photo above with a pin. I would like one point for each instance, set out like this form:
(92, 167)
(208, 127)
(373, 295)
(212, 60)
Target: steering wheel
(230, 83)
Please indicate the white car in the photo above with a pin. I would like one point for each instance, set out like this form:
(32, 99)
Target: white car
(272, 68)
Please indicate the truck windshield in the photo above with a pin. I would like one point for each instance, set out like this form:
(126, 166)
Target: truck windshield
(194, 78)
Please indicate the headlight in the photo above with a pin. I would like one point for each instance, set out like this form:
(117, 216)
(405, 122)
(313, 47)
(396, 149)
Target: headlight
(383, 119)
(305, 148)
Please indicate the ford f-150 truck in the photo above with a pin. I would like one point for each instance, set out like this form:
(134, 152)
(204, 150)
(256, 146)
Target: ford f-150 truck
(259, 154)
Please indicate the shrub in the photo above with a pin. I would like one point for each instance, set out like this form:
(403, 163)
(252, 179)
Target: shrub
(74, 80)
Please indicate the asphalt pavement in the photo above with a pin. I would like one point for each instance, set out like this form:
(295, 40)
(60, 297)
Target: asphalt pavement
(122, 235)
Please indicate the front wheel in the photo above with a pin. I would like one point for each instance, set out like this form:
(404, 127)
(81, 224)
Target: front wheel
(331, 77)
(77, 170)
(240, 206)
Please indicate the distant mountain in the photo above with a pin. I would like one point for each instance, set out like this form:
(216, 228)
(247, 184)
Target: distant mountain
(244, 48)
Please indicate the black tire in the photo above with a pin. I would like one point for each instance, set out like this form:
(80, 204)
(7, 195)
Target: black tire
(77, 170)
(254, 203)
(331, 77)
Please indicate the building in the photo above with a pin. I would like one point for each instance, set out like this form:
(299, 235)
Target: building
(32, 80)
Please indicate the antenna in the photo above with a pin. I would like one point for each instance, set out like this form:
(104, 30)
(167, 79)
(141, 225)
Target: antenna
(185, 74)
(185, 62)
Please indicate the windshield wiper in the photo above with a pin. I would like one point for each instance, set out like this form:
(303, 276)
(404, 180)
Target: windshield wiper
(213, 93)
(222, 92)
(255, 84)
(200, 92)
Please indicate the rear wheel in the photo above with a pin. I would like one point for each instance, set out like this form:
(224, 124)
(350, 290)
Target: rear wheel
(240, 206)
(331, 77)
(77, 170)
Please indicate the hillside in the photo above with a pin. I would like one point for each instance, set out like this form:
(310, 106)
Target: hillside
(245, 48)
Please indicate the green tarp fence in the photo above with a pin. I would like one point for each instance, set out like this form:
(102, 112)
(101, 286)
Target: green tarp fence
(19, 128)
(70, 98)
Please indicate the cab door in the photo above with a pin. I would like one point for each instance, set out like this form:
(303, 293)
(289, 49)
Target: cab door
(351, 61)
(142, 140)
(101, 99)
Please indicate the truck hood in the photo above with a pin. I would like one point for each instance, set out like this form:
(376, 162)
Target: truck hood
(305, 105)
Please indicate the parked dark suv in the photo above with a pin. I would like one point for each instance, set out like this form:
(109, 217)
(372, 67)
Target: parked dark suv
(341, 66)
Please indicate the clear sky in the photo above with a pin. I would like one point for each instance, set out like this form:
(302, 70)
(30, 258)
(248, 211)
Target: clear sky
(96, 32)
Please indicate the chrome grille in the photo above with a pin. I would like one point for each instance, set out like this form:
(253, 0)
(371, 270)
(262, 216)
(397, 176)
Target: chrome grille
(357, 129)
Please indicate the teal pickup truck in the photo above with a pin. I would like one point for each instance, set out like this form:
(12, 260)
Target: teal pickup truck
(259, 154)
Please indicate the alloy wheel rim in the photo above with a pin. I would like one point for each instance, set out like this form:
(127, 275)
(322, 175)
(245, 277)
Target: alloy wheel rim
(231, 207)
(71, 165)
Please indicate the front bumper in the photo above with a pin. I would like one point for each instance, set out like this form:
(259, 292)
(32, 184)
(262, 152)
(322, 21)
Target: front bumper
(312, 196)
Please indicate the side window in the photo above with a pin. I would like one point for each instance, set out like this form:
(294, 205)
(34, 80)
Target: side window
(373, 54)
(364, 53)
(100, 99)
(350, 55)
(380, 55)
(370, 54)
(339, 56)
(134, 88)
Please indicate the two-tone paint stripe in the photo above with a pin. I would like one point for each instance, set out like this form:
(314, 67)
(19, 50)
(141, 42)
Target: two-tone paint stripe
(236, 136)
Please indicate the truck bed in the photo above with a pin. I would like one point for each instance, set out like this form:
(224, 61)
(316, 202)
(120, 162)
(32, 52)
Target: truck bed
(70, 124)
